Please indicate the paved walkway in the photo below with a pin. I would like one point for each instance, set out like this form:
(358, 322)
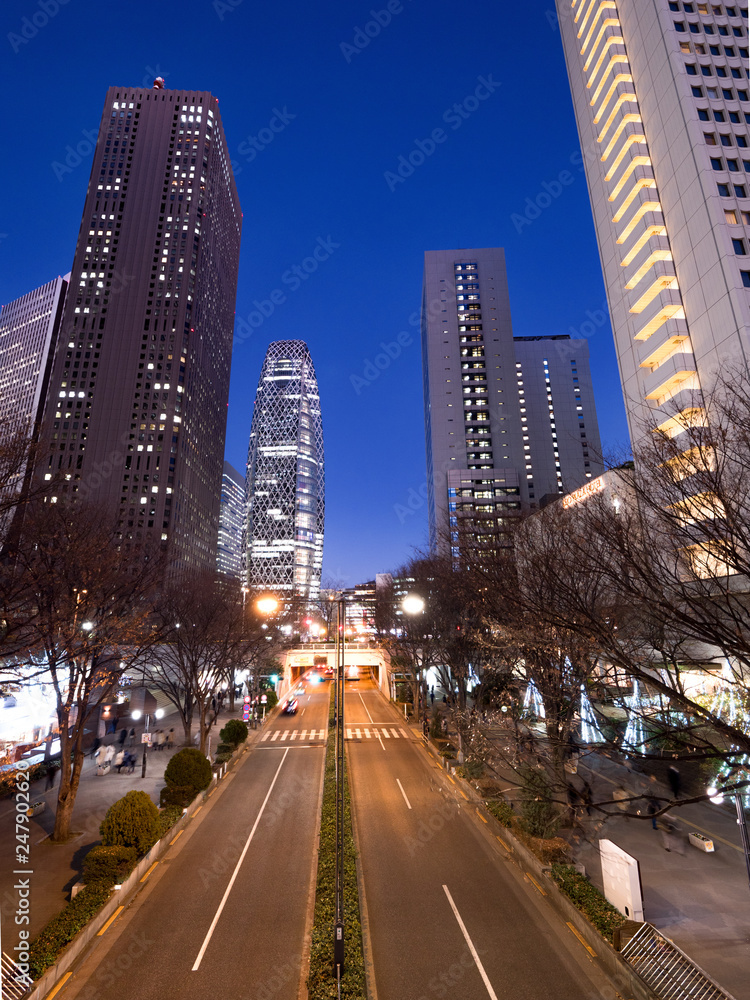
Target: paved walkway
(700, 901)
(55, 868)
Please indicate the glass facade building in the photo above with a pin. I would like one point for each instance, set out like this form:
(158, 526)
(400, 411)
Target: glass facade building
(286, 476)
(230, 554)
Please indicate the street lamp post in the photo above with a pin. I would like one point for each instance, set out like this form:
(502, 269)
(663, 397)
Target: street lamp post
(338, 939)
(136, 716)
(413, 604)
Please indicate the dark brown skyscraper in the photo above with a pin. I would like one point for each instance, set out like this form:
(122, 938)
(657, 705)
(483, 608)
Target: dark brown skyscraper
(136, 413)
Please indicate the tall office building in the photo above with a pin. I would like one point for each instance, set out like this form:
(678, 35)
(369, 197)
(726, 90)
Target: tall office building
(286, 476)
(136, 413)
(230, 554)
(660, 91)
(28, 334)
(509, 421)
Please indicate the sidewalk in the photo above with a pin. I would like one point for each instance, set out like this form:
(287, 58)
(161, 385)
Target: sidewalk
(54, 868)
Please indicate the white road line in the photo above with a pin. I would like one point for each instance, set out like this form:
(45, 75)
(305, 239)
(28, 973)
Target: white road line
(294, 735)
(264, 737)
(304, 733)
(275, 735)
(364, 706)
(359, 733)
(381, 742)
(404, 734)
(469, 942)
(214, 922)
(386, 733)
(394, 733)
(284, 735)
(408, 804)
(348, 734)
(367, 734)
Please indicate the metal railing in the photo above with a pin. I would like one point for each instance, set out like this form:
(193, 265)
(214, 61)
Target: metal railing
(14, 983)
(667, 970)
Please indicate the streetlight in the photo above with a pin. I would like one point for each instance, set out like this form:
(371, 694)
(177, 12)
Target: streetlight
(413, 604)
(135, 715)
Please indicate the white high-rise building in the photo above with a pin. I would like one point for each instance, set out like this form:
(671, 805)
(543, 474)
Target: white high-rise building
(28, 335)
(660, 90)
(509, 421)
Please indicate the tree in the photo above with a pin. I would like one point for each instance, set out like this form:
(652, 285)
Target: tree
(85, 607)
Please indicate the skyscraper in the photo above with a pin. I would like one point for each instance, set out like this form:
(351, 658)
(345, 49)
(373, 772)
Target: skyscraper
(136, 413)
(509, 421)
(660, 91)
(28, 334)
(230, 554)
(286, 476)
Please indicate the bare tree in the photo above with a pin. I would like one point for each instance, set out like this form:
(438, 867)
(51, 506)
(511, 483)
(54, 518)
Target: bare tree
(85, 607)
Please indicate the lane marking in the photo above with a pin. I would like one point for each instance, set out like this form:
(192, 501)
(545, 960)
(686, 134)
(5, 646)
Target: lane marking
(264, 737)
(404, 734)
(711, 836)
(198, 809)
(503, 843)
(275, 736)
(177, 837)
(218, 913)
(580, 938)
(394, 733)
(386, 733)
(483, 818)
(59, 986)
(381, 742)
(408, 804)
(294, 735)
(464, 794)
(531, 877)
(304, 734)
(469, 942)
(364, 706)
(111, 920)
(143, 879)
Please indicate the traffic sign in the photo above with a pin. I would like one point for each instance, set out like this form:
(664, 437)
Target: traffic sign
(246, 713)
(263, 699)
(146, 738)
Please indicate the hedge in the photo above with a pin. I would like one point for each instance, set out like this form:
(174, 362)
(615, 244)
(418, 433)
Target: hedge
(61, 930)
(187, 773)
(167, 818)
(587, 898)
(132, 821)
(108, 865)
(501, 810)
(321, 983)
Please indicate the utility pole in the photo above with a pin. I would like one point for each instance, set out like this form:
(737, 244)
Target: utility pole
(338, 940)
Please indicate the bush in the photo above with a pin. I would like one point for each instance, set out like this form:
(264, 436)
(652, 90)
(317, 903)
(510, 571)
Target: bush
(471, 770)
(501, 810)
(109, 865)
(234, 733)
(273, 698)
(168, 817)
(61, 930)
(133, 821)
(548, 849)
(587, 898)
(225, 748)
(190, 771)
(222, 758)
(177, 796)
(539, 811)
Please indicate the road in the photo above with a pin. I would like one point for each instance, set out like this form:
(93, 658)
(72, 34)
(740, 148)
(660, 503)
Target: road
(448, 915)
(226, 910)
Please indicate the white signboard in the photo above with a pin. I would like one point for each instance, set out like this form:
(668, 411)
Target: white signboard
(622, 880)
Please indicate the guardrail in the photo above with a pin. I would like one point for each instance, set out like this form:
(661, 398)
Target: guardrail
(667, 970)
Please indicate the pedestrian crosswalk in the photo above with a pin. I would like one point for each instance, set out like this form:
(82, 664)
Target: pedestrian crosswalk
(290, 735)
(375, 732)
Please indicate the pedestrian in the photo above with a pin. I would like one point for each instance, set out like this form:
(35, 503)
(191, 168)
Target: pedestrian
(95, 746)
(445, 700)
(109, 754)
(587, 797)
(131, 740)
(123, 736)
(101, 754)
(432, 696)
(666, 829)
(119, 760)
(652, 807)
(129, 761)
(170, 739)
(160, 740)
(673, 776)
(51, 775)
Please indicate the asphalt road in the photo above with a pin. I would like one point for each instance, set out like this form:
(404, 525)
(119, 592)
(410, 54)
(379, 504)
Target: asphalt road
(225, 912)
(448, 915)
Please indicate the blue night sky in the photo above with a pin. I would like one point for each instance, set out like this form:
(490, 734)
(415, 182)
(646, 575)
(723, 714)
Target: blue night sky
(341, 108)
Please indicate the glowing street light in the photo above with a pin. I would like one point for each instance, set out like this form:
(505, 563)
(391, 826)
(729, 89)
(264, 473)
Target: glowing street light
(267, 605)
(413, 604)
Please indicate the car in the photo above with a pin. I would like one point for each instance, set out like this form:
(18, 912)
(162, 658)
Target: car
(300, 689)
(290, 707)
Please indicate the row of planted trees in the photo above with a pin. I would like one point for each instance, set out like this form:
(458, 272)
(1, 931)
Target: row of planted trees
(81, 608)
(633, 586)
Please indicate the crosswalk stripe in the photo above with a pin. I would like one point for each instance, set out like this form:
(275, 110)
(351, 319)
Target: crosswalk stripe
(304, 733)
(367, 734)
(284, 734)
(348, 734)
(405, 735)
(359, 733)
(294, 735)
(394, 733)
(386, 733)
(264, 737)
(275, 736)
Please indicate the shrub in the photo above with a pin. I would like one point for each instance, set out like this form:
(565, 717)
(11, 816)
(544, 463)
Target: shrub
(587, 898)
(471, 769)
(177, 796)
(272, 698)
(539, 811)
(189, 770)
(168, 817)
(436, 726)
(501, 810)
(547, 849)
(222, 758)
(108, 865)
(132, 821)
(61, 930)
(225, 748)
(234, 733)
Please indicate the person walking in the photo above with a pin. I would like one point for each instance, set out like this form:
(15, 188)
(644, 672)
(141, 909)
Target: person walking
(51, 775)
(652, 808)
(131, 740)
(109, 754)
(119, 760)
(123, 736)
(673, 776)
(170, 739)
